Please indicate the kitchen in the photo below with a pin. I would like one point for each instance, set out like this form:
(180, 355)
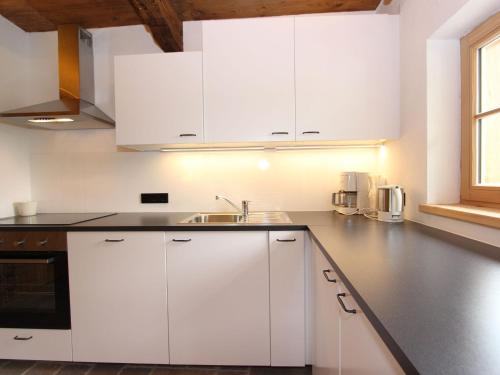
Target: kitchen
(273, 105)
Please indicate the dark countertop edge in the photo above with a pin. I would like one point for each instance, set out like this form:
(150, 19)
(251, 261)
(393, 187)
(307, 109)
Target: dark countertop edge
(155, 228)
(389, 341)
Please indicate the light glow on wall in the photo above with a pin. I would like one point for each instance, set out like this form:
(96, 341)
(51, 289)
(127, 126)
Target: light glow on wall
(264, 164)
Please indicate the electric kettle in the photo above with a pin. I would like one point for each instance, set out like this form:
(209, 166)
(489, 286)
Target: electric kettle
(391, 200)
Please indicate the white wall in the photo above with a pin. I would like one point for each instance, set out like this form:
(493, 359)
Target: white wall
(14, 142)
(443, 121)
(425, 160)
(82, 180)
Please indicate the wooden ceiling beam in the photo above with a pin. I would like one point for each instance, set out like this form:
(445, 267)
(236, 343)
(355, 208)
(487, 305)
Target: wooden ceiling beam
(222, 9)
(25, 16)
(162, 21)
(162, 17)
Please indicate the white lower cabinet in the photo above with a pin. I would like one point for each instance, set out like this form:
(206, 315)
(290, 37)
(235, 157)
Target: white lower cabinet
(287, 288)
(233, 298)
(344, 340)
(118, 297)
(362, 351)
(326, 314)
(35, 344)
(218, 287)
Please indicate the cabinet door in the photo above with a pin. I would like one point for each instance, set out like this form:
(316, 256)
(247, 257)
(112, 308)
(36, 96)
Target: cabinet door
(287, 286)
(159, 99)
(218, 293)
(248, 73)
(118, 297)
(326, 334)
(347, 77)
(362, 351)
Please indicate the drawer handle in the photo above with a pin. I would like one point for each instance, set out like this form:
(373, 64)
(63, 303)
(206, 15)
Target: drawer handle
(339, 298)
(291, 240)
(279, 133)
(20, 243)
(2, 242)
(311, 132)
(43, 242)
(120, 240)
(186, 240)
(187, 135)
(23, 338)
(325, 273)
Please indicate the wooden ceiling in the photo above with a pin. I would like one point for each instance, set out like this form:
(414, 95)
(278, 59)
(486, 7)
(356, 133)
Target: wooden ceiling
(162, 17)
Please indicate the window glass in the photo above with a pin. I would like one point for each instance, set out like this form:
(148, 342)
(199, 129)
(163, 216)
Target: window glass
(488, 126)
(489, 150)
(489, 76)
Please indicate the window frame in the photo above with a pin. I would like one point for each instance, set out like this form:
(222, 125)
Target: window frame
(470, 192)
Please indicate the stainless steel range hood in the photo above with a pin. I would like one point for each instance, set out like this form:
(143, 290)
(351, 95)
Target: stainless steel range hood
(75, 108)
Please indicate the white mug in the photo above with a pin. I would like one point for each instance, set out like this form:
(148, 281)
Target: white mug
(25, 208)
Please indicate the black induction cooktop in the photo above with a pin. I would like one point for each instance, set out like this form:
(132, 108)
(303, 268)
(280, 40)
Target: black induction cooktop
(53, 219)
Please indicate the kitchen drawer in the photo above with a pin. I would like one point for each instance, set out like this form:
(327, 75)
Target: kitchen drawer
(33, 241)
(35, 344)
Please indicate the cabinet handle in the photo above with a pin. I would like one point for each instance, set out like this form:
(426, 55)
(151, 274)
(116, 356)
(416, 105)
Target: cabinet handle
(311, 132)
(325, 273)
(186, 240)
(20, 243)
(187, 135)
(2, 242)
(43, 242)
(120, 240)
(23, 338)
(279, 133)
(291, 240)
(339, 298)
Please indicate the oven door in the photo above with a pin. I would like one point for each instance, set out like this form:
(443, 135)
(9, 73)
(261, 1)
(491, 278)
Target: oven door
(34, 290)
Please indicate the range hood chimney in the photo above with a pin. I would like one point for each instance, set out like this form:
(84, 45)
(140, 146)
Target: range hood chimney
(75, 108)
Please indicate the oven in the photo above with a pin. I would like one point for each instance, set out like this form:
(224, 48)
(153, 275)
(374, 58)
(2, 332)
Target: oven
(34, 287)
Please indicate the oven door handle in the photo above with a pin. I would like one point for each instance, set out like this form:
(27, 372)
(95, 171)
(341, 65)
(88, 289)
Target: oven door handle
(27, 261)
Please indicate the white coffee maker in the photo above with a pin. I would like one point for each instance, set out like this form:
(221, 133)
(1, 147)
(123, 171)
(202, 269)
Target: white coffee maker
(353, 196)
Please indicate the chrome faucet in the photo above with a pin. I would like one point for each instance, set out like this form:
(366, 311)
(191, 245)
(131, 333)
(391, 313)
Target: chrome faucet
(244, 206)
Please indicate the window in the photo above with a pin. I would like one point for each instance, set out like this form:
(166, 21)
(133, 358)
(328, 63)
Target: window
(481, 115)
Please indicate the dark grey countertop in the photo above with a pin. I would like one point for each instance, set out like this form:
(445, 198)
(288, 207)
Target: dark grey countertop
(147, 221)
(433, 297)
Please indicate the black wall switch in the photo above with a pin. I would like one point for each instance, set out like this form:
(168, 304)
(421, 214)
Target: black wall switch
(154, 198)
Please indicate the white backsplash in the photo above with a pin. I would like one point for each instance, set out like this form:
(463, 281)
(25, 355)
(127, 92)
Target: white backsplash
(84, 172)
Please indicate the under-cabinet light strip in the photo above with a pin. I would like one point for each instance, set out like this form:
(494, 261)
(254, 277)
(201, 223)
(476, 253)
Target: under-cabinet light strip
(259, 148)
(325, 147)
(276, 148)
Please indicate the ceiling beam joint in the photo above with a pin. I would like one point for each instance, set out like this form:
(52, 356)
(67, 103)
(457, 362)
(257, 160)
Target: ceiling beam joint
(162, 21)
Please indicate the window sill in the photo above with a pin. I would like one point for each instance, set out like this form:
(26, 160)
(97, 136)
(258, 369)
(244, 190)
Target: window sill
(479, 215)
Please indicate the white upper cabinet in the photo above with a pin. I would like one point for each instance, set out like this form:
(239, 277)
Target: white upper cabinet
(248, 72)
(159, 99)
(347, 77)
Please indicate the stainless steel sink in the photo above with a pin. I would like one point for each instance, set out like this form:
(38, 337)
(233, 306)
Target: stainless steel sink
(214, 218)
(236, 218)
